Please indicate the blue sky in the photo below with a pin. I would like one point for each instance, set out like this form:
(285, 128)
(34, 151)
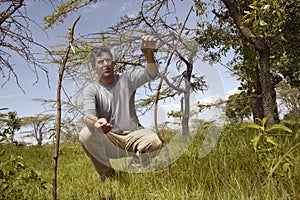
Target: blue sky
(94, 18)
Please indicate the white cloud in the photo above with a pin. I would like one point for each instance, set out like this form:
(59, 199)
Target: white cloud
(124, 6)
(93, 7)
(7, 96)
(132, 14)
(129, 8)
(218, 96)
(231, 92)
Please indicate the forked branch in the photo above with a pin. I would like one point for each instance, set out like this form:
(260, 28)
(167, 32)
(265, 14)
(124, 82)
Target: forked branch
(179, 30)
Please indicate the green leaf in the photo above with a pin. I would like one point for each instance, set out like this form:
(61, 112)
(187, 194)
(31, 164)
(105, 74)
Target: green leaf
(21, 165)
(262, 23)
(253, 7)
(247, 20)
(266, 7)
(255, 141)
(259, 120)
(256, 23)
(279, 14)
(264, 121)
(278, 127)
(272, 140)
(286, 167)
(248, 126)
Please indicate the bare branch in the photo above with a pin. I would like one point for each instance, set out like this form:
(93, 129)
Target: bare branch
(16, 39)
(58, 103)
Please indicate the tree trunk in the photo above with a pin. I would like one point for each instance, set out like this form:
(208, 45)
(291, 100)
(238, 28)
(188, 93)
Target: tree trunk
(256, 101)
(275, 106)
(186, 113)
(268, 92)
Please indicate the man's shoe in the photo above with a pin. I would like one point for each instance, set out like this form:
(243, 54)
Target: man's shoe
(111, 173)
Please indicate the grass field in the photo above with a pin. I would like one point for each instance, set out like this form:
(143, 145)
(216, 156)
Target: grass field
(230, 171)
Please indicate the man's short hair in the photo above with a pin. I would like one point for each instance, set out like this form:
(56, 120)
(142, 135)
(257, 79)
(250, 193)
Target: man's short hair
(97, 51)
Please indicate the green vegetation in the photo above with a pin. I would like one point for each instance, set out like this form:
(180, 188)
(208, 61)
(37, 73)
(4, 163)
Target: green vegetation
(11, 123)
(232, 170)
(254, 161)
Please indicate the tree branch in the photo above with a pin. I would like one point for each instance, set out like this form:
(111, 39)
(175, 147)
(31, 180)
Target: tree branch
(58, 102)
(178, 89)
(246, 32)
(5, 16)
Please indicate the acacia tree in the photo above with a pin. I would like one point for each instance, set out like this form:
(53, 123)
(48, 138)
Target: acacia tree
(39, 123)
(17, 41)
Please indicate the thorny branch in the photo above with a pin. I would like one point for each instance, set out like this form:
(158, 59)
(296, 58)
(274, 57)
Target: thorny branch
(16, 39)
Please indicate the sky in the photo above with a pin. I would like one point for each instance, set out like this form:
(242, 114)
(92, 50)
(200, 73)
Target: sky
(97, 18)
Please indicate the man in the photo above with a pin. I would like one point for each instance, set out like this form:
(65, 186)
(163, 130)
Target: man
(112, 127)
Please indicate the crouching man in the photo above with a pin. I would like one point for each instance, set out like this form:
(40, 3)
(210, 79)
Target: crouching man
(112, 127)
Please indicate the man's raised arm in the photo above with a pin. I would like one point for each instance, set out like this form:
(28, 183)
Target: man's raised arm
(148, 47)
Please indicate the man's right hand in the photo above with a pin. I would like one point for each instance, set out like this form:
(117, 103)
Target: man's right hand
(103, 124)
(148, 47)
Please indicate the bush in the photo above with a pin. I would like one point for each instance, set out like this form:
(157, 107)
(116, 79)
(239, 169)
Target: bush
(17, 181)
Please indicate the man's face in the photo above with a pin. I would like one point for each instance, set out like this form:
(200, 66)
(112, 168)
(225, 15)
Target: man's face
(104, 66)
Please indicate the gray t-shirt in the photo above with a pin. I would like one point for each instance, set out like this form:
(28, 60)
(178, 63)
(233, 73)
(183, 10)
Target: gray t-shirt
(116, 101)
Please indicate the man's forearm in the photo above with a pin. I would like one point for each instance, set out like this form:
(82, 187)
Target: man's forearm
(90, 121)
(151, 65)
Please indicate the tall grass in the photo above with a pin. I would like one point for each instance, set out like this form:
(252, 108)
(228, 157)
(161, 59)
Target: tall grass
(230, 171)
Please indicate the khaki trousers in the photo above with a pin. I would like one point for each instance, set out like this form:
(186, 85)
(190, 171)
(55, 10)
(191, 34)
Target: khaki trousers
(101, 147)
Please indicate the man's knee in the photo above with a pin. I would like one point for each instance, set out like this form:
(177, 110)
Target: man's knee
(156, 143)
(152, 141)
(87, 134)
